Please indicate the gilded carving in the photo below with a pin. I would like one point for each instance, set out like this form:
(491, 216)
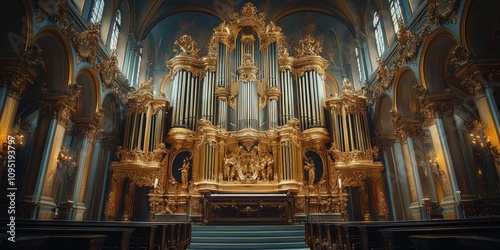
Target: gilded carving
(435, 110)
(473, 84)
(17, 83)
(31, 56)
(252, 164)
(460, 57)
(385, 75)
(408, 44)
(383, 209)
(249, 17)
(108, 70)
(87, 43)
(109, 211)
(308, 47)
(56, 9)
(186, 47)
(437, 15)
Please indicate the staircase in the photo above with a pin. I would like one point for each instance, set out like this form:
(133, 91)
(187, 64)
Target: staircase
(248, 237)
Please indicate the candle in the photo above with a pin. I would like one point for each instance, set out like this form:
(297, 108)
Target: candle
(156, 182)
(340, 183)
(459, 195)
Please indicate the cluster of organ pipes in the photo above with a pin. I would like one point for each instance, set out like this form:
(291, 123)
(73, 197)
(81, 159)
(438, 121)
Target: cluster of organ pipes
(252, 105)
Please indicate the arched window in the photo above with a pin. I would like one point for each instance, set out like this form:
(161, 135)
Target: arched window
(138, 70)
(396, 13)
(115, 31)
(360, 65)
(379, 35)
(97, 11)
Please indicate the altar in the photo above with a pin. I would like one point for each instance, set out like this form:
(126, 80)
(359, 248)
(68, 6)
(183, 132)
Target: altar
(233, 208)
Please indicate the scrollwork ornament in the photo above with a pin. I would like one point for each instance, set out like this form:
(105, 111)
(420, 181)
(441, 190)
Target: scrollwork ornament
(186, 47)
(408, 44)
(17, 83)
(72, 91)
(308, 47)
(87, 43)
(437, 15)
(460, 57)
(473, 84)
(31, 56)
(108, 70)
(385, 75)
(56, 9)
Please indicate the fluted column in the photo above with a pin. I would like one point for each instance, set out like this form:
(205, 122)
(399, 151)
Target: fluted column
(14, 84)
(406, 132)
(478, 87)
(449, 156)
(89, 132)
(40, 189)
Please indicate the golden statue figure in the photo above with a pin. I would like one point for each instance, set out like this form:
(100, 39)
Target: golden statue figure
(185, 171)
(311, 170)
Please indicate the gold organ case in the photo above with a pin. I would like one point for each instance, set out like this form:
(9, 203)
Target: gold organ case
(247, 118)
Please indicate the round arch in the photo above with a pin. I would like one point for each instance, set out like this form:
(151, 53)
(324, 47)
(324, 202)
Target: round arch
(57, 58)
(112, 114)
(436, 53)
(479, 32)
(405, 97)
(382, 118)
(88, 103)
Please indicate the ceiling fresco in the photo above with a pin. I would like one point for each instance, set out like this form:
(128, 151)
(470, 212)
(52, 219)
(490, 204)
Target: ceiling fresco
(334, 23)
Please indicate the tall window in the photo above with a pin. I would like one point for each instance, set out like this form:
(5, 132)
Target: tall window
(115, 31)
(396, 13)
(138, 70)
(360, 69)
(97, 11)
(379, 36)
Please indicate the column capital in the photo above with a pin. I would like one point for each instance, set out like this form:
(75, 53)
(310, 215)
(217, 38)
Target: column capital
(17, 82)
(90, 128)
(57, 109)
(473, 85)
(408, 128)
(435, 108)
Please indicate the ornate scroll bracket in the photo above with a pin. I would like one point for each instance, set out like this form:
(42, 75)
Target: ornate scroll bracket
(56, 9)
(108, 70)
(437, 15)
(473, 85)
(308, 47)
(186, 47)
(460, 57)
(408, 44)
(385, 75)
(86, 43)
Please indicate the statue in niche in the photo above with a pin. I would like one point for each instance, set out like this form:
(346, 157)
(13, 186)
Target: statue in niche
(311, 170)
(185, 171)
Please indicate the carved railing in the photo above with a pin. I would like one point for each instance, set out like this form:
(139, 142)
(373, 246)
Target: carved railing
(481, 208)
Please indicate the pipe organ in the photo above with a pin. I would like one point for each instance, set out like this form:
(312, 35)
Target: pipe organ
(248, 118)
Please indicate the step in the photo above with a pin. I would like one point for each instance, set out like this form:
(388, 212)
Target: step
(248, 237)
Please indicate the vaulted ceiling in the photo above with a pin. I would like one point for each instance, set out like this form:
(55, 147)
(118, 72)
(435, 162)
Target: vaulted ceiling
(335, 23)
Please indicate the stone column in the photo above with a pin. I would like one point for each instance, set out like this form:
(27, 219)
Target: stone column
(450, 162)
(14, 85)
(58, 111)
(478, 87)
(406, 131)
(89, 131)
